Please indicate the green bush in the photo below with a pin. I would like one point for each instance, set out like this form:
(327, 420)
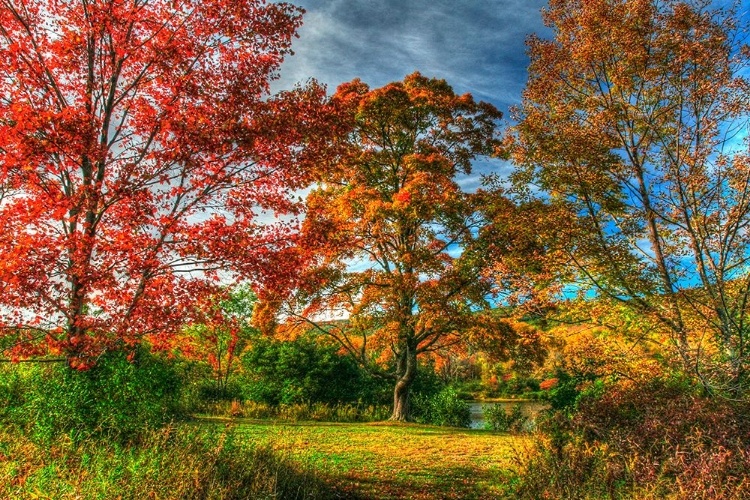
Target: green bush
(497, 418)
(444, 408)
(208, 392)
(564, 396)
(116, 398)
(305, 370)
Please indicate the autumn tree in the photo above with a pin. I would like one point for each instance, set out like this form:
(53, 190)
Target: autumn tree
(139, 148)
(630, 131)
(393, 273)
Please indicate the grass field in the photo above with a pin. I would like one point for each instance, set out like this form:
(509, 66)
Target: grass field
(221, 459)
(390, 461)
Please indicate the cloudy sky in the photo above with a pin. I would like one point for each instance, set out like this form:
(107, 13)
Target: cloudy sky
(477, 46)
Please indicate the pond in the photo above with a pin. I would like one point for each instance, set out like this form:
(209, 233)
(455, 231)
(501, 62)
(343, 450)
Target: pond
(529, 408)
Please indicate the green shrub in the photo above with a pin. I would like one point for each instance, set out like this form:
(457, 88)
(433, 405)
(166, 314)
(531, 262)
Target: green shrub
(517, 385)
(497, 418)
(305, 370)
(116, 398)
(564, 394)
(444, 408)
(208, 392)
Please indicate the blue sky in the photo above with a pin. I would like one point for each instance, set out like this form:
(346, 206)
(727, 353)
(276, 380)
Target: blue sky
(477, 46)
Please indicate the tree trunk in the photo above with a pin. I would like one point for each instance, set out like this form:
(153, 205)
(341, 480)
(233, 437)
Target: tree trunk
(406, 372)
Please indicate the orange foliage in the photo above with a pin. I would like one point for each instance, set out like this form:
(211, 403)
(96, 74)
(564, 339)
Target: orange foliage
(623, 130)
(391, 204)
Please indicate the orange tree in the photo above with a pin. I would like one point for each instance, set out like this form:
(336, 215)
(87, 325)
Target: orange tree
(626, 131)
(394, 269)
(138, 144)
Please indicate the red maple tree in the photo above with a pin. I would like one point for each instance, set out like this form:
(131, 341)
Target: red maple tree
(139, 147)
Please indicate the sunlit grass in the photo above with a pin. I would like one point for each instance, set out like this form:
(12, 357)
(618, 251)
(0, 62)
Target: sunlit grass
(227, 459)
(388, 460)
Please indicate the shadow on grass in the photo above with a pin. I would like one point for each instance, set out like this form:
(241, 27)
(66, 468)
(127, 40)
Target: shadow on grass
(458, 483)
(414, 428)
(343, 467)
(268, 475)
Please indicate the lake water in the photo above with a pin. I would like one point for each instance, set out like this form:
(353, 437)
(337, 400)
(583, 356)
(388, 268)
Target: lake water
(529, 408)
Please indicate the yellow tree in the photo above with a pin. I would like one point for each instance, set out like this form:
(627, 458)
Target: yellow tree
(629, 126)
(395, 269)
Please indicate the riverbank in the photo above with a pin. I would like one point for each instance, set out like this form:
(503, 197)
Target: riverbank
(529, 408)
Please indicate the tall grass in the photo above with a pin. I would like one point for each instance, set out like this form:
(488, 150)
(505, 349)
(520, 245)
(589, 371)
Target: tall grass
(321, 412)
(115, 400)
(658, 439)
(187, 461)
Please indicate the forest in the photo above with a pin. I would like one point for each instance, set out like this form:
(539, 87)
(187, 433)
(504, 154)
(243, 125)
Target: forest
(212, 289)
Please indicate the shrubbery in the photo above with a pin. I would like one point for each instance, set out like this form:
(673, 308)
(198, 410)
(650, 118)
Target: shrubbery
(658, 438)
(298, 412)
(304, 370)
(497, 418)
(444, 408)
(117, 398)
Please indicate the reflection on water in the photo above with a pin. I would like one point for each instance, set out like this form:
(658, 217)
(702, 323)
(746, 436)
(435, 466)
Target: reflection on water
(529, 408)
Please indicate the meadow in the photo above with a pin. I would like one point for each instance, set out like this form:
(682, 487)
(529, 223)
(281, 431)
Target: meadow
(238, 458)
(388, 460)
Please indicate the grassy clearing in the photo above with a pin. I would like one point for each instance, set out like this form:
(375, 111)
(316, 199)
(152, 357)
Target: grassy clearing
(241, 459)
(390, 461)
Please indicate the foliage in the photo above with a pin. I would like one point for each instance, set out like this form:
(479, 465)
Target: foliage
(444, 408)
(453, 367)
(565, 393)
(219, 338)
(480, 377)
(301, 412)
(304, 370)
(514, 384)
(121, 125)
(118, 399)
(186, 462)
(653, 438)
(497, 418)
(391, 200)
(586, 355)
(549, 383)
(629, 145)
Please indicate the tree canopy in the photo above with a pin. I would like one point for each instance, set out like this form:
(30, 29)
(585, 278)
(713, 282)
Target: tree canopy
(139, 148)
(634, 143)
